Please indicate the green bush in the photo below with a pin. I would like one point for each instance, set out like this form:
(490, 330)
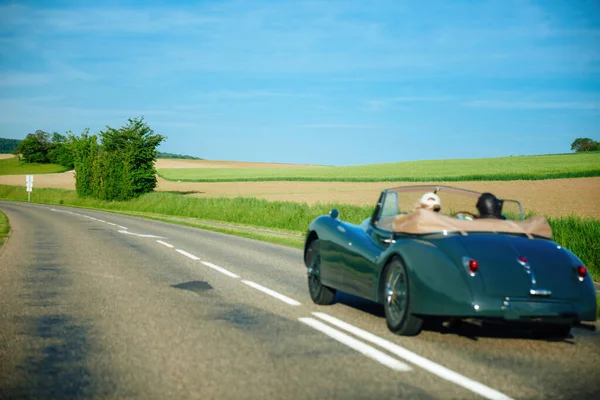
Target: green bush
(121, 166)
(4, 228)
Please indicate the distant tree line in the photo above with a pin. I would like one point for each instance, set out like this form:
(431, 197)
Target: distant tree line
(172, 155)
(585, 144)
(7, 146)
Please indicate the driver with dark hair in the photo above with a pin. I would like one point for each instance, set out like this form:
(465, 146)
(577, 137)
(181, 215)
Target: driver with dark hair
(489, 206)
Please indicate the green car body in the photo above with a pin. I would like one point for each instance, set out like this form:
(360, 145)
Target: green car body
(544, 289)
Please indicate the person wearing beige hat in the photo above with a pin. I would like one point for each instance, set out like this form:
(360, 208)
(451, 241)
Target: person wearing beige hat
(430, 201)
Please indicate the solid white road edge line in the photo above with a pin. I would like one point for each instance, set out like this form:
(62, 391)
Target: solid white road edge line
(185, 253)
(357, 345)
(122, 227)
(418, 360)
(165, 244)
(272, 293)
(220, 269)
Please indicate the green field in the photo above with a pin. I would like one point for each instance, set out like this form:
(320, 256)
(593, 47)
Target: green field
(575, 233)
(505, 168)
(11, 166)
(4, 227)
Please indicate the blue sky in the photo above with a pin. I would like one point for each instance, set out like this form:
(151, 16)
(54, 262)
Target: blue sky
(328, 82)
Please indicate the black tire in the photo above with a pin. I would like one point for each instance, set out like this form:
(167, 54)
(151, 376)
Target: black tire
(319, 293)
(396, 300)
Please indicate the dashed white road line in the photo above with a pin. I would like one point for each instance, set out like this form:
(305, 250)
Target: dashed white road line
(357, 345)
(88, 217)
(140, 235)
(273, 293)
(220, 269)
(165, 244)
(418, 360)
(185, 253)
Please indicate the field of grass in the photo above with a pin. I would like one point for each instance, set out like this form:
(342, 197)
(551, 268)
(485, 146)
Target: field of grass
(11, 166)
(577, 234)
(4, 228)
(504, 168)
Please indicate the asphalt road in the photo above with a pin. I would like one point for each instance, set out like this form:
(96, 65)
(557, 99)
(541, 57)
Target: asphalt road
(99, 305)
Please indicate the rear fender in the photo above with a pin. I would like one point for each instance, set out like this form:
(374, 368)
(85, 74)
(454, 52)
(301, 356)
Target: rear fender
(437, 285)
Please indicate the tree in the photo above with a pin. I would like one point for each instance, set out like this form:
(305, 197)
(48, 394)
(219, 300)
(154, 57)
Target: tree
(585, 144)
(85, 152)
(60, 151)
(136, 142)
(121, 167)
(34, 147)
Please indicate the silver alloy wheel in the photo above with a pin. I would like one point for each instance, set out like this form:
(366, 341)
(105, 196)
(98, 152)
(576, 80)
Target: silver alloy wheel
(396, 290)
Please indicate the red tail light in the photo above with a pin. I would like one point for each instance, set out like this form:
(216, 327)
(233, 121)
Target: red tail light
(581, 271)
(473, 266)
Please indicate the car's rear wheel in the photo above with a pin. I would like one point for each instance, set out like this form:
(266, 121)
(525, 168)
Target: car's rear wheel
(396, 300)
(319, 293)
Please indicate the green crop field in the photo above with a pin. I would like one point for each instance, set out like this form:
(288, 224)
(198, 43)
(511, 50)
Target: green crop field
(11, 166)
(575, 233)
(4, 227)
(504, 168)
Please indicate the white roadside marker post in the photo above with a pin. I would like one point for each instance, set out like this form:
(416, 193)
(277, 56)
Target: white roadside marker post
(29, 181)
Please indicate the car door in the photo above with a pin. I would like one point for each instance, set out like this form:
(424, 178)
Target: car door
(361, 272)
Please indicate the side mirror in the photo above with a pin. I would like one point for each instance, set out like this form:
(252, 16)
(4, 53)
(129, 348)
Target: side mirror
(334, 213)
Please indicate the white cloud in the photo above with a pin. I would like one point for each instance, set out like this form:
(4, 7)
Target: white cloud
(249, 94)
(534, 105)
(23, 79)
(104, 20)
(337, 126)
(381, 104)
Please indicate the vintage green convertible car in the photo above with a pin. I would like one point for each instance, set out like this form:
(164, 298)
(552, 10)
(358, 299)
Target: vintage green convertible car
(421, 264)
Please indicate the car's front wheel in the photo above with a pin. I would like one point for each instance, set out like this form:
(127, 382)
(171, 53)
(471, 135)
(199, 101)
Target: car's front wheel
(319, 293)
(396, 300)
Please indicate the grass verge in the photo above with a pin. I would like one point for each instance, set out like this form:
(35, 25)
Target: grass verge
(4, 227)
(503, 168)
(575, 233)
(11, 166)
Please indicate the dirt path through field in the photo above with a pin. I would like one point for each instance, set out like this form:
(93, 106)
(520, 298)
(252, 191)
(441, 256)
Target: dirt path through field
(555, 197)
(5, 156)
